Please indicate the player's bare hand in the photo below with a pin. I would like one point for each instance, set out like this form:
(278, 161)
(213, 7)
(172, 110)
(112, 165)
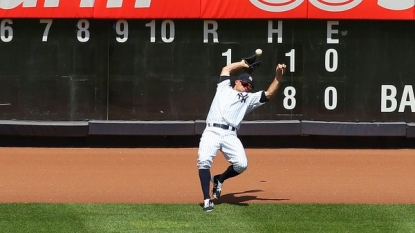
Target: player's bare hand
(280, 69)
(244, 64)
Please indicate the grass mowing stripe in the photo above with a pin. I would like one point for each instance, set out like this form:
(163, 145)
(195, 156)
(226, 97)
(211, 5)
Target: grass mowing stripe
(37, 217)
(327, 218)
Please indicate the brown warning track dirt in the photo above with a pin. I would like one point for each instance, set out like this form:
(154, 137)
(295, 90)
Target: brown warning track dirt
(169, 175)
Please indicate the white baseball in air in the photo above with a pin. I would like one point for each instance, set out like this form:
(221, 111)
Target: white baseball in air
(258, 52)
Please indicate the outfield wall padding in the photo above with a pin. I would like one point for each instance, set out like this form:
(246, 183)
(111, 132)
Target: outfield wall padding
(410, 130)
(191, 128)
(134, 128)
(44, 128)
(353, 128)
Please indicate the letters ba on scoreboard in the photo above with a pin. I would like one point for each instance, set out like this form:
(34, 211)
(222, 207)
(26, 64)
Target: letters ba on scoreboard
(394, 99)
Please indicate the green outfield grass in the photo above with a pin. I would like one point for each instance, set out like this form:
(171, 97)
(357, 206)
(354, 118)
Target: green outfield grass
(101, 218)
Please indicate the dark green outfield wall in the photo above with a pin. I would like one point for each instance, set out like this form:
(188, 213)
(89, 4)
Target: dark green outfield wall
(81, 70)
(164, 70)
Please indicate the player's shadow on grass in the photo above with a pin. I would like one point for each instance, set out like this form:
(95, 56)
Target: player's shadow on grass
(243, 198)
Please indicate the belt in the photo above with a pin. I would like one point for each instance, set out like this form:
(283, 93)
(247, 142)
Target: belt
(221, 126)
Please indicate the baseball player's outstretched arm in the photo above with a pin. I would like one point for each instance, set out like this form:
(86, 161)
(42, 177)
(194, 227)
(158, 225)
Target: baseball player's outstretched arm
(235, 66)
(273, 87)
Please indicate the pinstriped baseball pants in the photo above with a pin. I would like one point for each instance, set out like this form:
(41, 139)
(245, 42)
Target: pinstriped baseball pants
(214, 139)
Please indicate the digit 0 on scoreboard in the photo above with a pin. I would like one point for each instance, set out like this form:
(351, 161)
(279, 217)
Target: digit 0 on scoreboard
(331, 62)
(331, 98)
(331, 59)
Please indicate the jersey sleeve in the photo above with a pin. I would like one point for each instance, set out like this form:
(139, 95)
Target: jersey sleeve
(255, 101)
(263, 97)
(224, 78)
(224, 82)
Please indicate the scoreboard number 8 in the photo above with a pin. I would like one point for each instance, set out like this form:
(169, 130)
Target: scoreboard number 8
(289, 101)
(83, 32)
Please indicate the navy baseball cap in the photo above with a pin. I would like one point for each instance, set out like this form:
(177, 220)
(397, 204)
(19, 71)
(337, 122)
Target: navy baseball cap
(247, 78)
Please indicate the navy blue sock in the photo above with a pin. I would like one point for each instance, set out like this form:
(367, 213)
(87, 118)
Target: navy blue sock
(229, 173)
(204, 176)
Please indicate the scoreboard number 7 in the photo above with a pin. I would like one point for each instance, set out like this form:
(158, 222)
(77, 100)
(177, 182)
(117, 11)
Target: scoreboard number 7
(48, 23)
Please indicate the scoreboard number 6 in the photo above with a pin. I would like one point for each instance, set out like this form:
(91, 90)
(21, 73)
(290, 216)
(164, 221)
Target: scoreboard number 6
(6, 31)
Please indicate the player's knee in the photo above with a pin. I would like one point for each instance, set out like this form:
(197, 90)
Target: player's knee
(204, 164)
(240, 167)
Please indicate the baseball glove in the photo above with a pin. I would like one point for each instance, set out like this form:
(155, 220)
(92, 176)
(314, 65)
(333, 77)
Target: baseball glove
(252, 63)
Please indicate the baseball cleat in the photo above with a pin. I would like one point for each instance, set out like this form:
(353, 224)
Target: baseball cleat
(217, 187)
(207, 205)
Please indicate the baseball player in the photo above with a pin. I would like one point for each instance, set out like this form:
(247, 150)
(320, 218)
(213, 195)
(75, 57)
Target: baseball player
(228, 108)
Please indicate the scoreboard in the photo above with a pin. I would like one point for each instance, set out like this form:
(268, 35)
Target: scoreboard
(160, 69)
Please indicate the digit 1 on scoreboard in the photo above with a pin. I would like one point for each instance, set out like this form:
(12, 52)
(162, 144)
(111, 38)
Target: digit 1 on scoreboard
(291, 55)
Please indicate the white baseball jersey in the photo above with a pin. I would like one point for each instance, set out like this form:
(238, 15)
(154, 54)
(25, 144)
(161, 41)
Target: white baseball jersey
(228, 108)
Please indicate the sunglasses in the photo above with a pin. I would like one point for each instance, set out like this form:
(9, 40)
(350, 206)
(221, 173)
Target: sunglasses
(246, 85)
